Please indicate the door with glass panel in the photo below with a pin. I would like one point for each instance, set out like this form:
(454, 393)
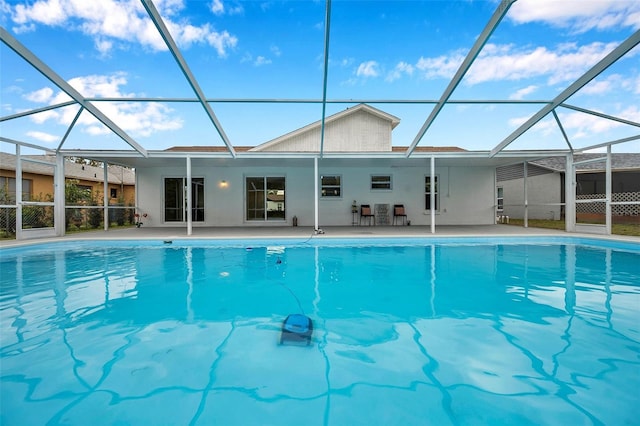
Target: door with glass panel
(265, 198)
(175, 199)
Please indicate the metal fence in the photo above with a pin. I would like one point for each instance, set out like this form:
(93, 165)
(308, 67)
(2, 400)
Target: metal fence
(77, 218)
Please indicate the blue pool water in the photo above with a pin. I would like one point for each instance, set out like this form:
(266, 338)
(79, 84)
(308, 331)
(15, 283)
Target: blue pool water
(406, 332)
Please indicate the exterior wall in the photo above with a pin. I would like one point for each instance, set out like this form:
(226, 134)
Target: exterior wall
(540, 189)
(358, 132)
(42, 186)
(361, 132)
(466, 194)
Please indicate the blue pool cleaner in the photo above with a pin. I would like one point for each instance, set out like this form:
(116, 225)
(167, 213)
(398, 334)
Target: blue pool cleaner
(297, 328)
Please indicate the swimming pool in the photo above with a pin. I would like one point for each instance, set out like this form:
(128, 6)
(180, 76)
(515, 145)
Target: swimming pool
(406, 331)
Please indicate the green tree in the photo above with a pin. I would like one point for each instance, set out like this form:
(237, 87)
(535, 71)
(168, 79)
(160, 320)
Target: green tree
(75, 195)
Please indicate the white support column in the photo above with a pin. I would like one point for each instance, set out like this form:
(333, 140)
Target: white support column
(569, 195)
(432, 194)
(526, 196)
(59, 197)
(105, 198)
(316, 195)
(608, 196)
(18, 194)
(189, 201)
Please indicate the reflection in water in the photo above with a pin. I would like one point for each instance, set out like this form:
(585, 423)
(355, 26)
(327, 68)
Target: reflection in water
(443, 334)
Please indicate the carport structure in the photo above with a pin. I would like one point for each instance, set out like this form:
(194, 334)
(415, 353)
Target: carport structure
(137, 155)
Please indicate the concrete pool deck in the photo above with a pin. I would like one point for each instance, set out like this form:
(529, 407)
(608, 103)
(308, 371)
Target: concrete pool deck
(163, 233)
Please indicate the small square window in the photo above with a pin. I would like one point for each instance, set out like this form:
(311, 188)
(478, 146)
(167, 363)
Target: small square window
(380, 182)
(331, 186)
(114, 193)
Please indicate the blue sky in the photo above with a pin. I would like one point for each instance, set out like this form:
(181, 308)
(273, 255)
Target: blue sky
(379, 50)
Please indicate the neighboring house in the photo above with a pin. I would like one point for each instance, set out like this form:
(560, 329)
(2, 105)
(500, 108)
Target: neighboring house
(271, 183)
(38, 179)
(546, 187)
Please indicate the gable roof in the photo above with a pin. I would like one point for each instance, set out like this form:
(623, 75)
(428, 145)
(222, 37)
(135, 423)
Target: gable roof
(331, 119)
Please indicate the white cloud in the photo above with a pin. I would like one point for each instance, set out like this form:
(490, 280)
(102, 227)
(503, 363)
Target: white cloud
(275, 50)
(402, 68)
(40, 96)
(578, 15)
(261, 60)
(579, 125)
(444, 66)
(42, 136)
(632, 85)
(218, 7)
(44, 116)
(368, 69)
(506, 62)
(124, 21)
(51, 12)
(598, 87)
(257, 62)
(522, 93)
(139, 118)
(221, 41)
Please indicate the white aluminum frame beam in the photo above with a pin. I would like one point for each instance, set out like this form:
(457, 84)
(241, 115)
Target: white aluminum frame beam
(27, 144)
(37, 110)
(327, 29)
(561, 127)
(598, 68)
(182, 63)
(66, 134)
(605, 144)
(318, 101)
(497, 16)
(601, 115)
(62, 84)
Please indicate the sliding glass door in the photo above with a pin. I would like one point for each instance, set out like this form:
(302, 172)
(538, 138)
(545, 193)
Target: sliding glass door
(175, 199)
(265, 198)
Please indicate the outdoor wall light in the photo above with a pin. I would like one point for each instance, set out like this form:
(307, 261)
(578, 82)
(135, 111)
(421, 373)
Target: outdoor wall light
(224, 184)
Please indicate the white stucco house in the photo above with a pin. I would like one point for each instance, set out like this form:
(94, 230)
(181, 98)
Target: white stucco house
(274, 182)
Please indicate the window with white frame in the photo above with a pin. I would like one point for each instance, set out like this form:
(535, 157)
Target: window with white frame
(265, 198)
(427, 193)
(500, 200)
(331, 186)
(380, 182)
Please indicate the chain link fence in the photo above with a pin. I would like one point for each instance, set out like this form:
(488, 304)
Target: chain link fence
(7, 222)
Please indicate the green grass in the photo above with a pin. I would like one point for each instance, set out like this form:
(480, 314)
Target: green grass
(627, 229)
